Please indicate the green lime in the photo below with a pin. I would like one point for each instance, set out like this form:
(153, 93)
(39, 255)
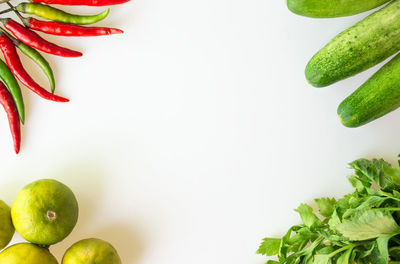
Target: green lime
(91, 250)
(6, 227)
(25, 253)
(44, 212)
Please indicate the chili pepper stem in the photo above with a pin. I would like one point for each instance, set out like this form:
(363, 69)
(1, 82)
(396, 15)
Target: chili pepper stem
(23, 19)
(6, 11)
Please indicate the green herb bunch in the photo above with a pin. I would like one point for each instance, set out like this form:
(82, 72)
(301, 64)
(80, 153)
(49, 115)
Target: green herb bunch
(361, 227)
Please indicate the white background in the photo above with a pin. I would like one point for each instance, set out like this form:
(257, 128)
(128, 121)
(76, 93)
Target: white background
(193, 135)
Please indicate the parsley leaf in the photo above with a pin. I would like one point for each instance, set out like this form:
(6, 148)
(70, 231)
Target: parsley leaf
(307, 215)
(373, 171)
(369, 224)
(326, 206)
(269, 246)
(360, 228)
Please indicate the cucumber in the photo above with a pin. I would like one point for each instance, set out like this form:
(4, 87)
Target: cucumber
(332, 8)
(375, 98)
(358, 48)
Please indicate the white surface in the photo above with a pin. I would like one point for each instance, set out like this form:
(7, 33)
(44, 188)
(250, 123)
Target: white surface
(193, 135)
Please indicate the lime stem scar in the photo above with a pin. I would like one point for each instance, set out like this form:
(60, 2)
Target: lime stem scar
(51, 215)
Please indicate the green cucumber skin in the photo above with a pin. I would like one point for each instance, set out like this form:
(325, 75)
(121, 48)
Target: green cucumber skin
(358, 48)
(332, 8)
(375, 98)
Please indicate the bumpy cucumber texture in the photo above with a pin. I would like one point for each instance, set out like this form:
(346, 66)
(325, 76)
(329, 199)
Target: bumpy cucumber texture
(375, 98)
(360, 47)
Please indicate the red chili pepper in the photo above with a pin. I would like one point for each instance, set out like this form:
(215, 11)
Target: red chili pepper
(14, 63)
(9, 106)
(32, 39)
(82, 2)
(64, 29)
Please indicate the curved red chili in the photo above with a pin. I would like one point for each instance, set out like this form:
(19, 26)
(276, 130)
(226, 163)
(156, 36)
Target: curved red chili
(10, 107)
(14, 63)
(64, 29)
(32, 39)
(82, 2)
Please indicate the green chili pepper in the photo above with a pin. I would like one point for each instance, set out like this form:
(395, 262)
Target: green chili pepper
(13, 86)
(58, 15)
(40, 61)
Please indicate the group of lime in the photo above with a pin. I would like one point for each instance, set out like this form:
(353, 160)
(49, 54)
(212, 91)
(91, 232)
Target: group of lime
(44, 213)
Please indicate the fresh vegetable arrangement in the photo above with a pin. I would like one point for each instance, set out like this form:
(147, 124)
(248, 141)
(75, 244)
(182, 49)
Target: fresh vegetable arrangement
(44, 213)
(367, 43)
(361, 227)
(22, 36)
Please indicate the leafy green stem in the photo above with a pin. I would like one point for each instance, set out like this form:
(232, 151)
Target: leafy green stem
(351, 246)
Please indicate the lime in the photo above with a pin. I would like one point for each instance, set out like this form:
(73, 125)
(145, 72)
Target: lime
(44, 212)
(25, 253)
(6, 227)
(91, 250)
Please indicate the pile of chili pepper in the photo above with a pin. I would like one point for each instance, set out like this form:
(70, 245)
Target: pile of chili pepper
(21, 36)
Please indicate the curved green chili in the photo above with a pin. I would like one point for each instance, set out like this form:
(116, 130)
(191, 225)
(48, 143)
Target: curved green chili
(35, 56)
(40, 61)
(58, 15)
(8, 78)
